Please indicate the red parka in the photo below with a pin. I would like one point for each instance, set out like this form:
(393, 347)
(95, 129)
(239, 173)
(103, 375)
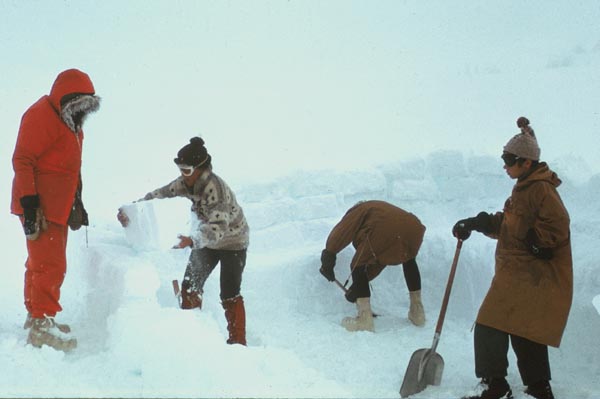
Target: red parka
(47, 156)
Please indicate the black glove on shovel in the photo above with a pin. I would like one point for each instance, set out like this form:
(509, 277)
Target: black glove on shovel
(481, 223)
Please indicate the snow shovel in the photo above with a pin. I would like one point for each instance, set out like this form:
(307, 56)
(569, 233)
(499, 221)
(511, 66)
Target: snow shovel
(426, 365)
(177, 291)
(343, 287)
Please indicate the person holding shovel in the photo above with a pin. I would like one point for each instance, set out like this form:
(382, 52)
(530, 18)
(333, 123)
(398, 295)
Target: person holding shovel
(222, 235)
(382, 235)
(530, 296)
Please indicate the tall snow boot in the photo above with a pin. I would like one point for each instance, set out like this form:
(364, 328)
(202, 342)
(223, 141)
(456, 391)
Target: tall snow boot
(492, 388)
(44, 331)
(65, 328)
(235, 313)
(540, 390)
(416, 313)
(364, 320)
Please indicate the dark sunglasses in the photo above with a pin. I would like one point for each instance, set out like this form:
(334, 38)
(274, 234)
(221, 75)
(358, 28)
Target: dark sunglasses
(510, 159)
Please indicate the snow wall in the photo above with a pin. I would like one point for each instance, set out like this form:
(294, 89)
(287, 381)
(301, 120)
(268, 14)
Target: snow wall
(118, 289)
(290, 218)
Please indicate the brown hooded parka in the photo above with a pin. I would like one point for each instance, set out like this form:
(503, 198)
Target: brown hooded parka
(381, 233)
(531, 297)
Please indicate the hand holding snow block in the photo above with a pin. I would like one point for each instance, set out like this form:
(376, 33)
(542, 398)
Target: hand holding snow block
(141, 231)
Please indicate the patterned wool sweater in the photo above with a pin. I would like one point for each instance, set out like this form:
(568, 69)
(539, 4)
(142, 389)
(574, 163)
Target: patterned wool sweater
(222, 224)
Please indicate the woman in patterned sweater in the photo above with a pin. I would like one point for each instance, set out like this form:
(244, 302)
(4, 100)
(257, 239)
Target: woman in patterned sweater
(222, 235)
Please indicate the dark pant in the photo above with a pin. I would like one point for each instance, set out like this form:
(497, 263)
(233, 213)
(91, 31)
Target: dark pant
(412, 275)
(360, 280)
(203, 261)
(491, 350)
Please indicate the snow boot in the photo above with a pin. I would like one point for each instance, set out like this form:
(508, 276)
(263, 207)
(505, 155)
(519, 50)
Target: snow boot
(540, 390)
(44, 331)
(235, 313)
(64, 328)
(190, 299)
(416, 313)
(492, 388)
(364, 320)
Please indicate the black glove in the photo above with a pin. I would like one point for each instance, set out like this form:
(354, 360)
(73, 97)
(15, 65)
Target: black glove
(327, 264)
(30, 205)
(351, 294)
(482, 223)
(535, 249)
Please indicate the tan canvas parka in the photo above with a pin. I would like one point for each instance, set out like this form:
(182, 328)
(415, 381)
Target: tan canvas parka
(531, 297)
(381, 233)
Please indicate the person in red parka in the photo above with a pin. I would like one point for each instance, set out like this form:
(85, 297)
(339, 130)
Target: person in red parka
(46, 195)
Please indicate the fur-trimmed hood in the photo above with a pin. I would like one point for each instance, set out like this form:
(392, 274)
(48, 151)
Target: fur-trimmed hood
(69, 82)
(73, 97)
(76, 110)
(47, 156)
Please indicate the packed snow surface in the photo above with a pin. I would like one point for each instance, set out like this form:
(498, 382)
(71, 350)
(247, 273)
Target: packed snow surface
(134, 341)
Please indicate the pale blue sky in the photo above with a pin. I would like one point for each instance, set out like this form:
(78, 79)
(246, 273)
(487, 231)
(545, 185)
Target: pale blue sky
(279, 85)
(275, 86)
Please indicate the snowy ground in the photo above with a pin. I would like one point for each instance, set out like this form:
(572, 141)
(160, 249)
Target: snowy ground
(135, 342)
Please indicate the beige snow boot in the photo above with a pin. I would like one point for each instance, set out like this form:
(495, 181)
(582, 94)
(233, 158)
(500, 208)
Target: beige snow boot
(44, 331)
(364, 320)
(62, 327)
(416, 313)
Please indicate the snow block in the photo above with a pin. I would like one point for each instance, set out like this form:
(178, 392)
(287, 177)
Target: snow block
(141, 232)
(155, 225)
(348, 183)
(596, 302)
(268, 213)
(286, 235)
(142, 282)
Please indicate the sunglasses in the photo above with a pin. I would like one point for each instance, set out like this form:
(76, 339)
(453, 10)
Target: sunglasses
(510, 159)
(186, 170)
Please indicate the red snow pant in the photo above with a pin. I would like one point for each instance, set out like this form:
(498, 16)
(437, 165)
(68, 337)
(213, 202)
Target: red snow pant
(46, 266)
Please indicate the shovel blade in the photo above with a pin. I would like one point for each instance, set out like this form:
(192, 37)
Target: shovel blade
(424, 368)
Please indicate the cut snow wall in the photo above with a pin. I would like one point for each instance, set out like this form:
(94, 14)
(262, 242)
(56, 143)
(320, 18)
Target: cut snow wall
(293, 216)
(440, 189)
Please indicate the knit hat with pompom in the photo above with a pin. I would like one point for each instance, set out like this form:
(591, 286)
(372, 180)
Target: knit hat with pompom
(524, 144)
(193, 154)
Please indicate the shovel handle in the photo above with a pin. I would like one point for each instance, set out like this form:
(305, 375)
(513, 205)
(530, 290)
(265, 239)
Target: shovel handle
(440, 323)
(340, 285)
(176, 289)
